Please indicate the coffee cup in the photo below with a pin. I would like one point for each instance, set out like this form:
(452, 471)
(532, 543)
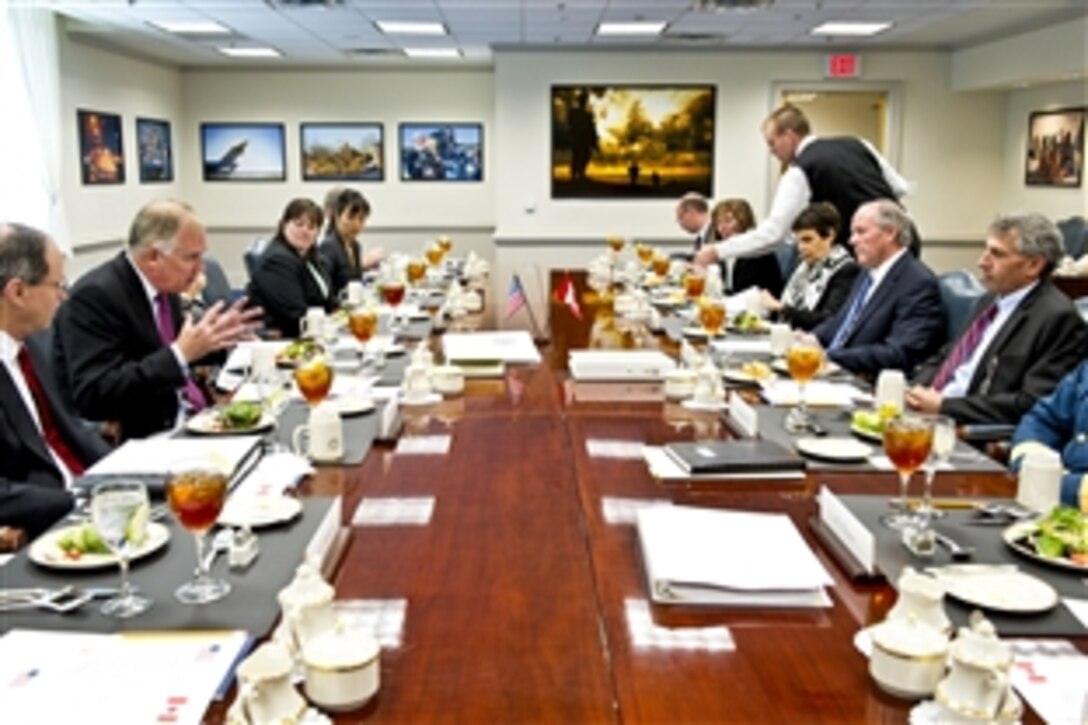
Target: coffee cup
(891, 385)
(342, 669)
(321, 438)
(352, 294)
(1040, 481)
(417, 382)
(908, 658)
(781, 338)
(679, 383)
(265, 692)
(448, 379)
(312, 324)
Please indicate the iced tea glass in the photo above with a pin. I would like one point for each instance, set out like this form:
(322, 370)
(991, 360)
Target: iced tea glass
(363, 323)
(434, 255)
(445, 244)
(694, 284)
(645, 254)
(712, 315)
(195, 491)
(661, 265)
(314, 379)
(908, 441)
(803, 361)
(417, 268)
(616, 243)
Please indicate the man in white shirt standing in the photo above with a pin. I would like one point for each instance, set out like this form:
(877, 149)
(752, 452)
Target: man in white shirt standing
(42, 447)
(1024, 336)
(844, 171)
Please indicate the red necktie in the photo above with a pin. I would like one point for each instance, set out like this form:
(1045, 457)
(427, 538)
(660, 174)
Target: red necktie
(965, 347)
(45, 415)
(165, 322)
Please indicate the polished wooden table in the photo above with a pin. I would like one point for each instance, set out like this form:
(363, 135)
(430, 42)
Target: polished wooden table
(520, 594)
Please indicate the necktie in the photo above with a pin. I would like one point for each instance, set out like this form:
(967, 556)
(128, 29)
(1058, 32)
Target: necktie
(852, 313)
(165, 322)
(45, 415)
(965, 347)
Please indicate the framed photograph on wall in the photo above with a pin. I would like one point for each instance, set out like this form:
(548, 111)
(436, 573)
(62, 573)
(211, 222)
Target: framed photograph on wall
(342, 152)
(632, 141)
(154, 150)
(243, 151)
(441, 151)
(1055, 149)
(101, 148)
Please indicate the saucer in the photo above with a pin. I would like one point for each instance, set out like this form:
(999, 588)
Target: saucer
(428, 399)
(834, 449)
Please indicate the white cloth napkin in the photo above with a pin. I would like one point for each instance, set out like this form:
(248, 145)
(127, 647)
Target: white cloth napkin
(276, 473)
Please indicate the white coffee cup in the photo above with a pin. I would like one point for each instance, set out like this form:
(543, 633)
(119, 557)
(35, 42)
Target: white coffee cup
(323, 433)
(448, 379)
(313, 323)
(679, 383)
(908, 658)
(781, 338)
(265, 692)
(1040, 484)
(262, 359)
(891, 386)
(417, 382)
(353, 293)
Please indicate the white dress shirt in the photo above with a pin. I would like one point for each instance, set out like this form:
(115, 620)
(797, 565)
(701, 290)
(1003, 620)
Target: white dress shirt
(960, 383)
(790, 199)
(9, 352)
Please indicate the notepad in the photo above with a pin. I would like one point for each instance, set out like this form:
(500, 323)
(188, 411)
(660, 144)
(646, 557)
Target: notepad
(729, 558)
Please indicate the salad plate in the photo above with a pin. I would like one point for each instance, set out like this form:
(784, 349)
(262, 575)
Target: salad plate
(834, 449)
(999, 589)
(212, 422)
(869, 435)
(1037, 538)
(46, 550)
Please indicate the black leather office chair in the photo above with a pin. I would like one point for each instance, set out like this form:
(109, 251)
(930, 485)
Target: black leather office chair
(217, 288)
(1075, 235)
(251, 256)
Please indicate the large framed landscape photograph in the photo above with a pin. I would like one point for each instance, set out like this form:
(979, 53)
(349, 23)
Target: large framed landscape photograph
(1055, 149)
(342, 152)
(243, 151)
(153, 147)
(632, 141)
(101, 148)
(441, 151)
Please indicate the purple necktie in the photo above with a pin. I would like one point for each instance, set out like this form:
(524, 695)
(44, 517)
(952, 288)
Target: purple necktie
(965, 347)
(167, 333)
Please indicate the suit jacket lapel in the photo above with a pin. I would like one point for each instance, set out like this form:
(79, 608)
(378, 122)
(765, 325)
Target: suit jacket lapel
(1011, 327)
(878, 297)
(135, 297)
(15, 408)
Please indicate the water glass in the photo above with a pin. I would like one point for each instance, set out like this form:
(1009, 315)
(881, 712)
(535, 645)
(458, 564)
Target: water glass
(120, 511)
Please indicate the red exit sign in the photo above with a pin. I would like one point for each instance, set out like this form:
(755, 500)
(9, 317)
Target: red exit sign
(843, 65)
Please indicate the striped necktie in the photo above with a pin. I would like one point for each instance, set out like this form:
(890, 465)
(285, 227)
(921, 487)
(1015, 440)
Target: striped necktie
(965, 347)
(164, 320)
(852, 314)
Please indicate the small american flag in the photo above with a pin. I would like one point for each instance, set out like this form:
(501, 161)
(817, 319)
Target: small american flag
(515, 297)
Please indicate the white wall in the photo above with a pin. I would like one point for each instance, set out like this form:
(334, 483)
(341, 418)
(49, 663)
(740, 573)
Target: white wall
(1057, 203)
(947, 138)
(98, 80)
(1042, 55)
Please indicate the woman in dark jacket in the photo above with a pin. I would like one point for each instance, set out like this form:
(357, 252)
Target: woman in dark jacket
(821, 284)
(340, 249)
(289, 276)
(734, 216)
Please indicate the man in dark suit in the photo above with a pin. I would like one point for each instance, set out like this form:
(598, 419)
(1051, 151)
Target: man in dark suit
(894, 317)
(42, 447)
(693, 216)
(1024, 336)
(123, 346)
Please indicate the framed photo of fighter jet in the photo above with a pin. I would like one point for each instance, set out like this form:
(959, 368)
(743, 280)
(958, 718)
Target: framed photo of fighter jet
(243, 151)
(101, 150)
(342, 152)
(154, 149)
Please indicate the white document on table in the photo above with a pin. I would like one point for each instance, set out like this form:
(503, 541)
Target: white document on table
(157, 455)
(511, 346)
(736, 558)
(148, 677)
(733, 345)
(817, 393)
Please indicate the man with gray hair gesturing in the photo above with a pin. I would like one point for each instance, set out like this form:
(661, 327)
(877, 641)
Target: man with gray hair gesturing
(1025, 334)
(121, 338)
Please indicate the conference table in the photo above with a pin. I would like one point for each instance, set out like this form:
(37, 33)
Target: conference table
(526, 602)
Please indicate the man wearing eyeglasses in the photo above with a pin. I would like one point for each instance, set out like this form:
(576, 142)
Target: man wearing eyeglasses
(42, 446)
(125, 347)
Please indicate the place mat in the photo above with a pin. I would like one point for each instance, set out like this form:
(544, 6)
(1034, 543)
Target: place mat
(892, 556)
(251, 604)
(359, 431)
(837, 423)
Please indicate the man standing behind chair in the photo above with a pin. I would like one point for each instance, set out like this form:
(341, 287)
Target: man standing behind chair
(844, 171)
(1024, 336)
(121, 338)
(41, 447)
(693, 216)
(893, 318)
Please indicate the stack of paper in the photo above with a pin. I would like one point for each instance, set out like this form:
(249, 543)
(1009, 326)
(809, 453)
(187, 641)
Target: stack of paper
(731, 558)
(511, 346)
(620, 364)
(158, 455)
(818, 393)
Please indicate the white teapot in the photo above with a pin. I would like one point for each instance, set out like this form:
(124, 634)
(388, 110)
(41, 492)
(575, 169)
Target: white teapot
(921, 597)
(306, 608)
(977, 687)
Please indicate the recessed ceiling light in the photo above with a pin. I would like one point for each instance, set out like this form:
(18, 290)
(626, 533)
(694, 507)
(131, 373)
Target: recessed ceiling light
(406, 27)
(251, 52)
(633, 28)
(432, 52)
(850, 28)
(191, 27)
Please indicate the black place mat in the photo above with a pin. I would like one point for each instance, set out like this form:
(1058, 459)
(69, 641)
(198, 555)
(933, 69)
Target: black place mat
(251, 604)
(892, 556)
(837, 423)
(359, 431)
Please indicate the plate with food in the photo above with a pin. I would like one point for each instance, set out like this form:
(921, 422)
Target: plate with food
(80, 547)
(747, 323)
(1059, 539)
(258, 511)
(779, 365)
(869, 424)
(698, 333)
(752, 372)
(238, 418)
(297, 351)
(842, 450)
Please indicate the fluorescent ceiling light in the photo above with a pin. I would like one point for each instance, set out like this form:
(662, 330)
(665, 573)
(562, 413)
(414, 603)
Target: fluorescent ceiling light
(633, 28)
(191, 27)
(408, 27)
(432, 52)
(250, 52)
(850, 28)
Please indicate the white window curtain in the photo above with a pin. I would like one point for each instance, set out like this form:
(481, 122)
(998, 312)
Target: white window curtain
(30, 143)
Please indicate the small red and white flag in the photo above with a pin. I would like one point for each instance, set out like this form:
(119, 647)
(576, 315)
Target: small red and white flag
(567, 295)
(515, 297)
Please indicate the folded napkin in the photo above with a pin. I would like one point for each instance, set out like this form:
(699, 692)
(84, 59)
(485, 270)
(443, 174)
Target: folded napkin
(276, 473)
(817, 393)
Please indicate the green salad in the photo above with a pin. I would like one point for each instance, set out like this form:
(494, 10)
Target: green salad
(240, 415)
(1063, 534)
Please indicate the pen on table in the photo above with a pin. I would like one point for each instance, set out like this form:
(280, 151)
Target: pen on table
(944, 503)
